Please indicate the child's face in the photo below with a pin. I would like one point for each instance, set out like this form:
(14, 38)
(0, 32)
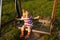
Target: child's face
(25, 14)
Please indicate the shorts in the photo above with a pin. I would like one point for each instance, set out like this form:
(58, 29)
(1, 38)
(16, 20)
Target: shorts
(26, 25)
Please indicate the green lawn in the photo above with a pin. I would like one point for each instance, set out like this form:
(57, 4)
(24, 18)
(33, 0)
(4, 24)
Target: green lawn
(43, 8)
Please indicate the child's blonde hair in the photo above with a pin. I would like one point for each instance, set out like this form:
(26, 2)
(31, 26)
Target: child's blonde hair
(25, 13)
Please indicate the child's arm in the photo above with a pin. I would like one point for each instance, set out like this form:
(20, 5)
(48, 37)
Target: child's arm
(19, 18)
(36, 17)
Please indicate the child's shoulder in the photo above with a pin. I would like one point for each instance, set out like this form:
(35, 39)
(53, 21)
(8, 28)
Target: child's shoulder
(30, 17)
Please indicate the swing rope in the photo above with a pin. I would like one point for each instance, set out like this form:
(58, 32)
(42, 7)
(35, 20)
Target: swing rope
(17, 8)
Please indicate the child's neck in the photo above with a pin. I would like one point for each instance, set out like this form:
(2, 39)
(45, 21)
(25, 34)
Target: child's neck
(25, 17)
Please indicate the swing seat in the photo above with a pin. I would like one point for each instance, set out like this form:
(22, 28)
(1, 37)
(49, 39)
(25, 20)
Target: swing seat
(37, 31)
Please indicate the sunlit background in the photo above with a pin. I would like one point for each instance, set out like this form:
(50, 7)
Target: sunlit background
(0, 11)
(0, 7)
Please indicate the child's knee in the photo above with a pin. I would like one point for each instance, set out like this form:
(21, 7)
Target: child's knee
(22, 29)
(29, 29)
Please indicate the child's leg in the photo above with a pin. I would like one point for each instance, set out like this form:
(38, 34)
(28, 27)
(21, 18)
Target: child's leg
(29, 30)
(22, 31)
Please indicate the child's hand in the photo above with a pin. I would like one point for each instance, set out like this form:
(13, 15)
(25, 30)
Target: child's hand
(37, 17)
(17, 18)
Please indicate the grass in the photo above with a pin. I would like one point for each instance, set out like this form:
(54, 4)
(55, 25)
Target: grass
(43, 8)
(8, 11)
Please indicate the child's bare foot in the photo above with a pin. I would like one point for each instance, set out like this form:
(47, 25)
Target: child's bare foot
(21, 35)
(27, 36)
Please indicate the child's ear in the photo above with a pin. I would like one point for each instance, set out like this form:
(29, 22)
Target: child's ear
(26, 12)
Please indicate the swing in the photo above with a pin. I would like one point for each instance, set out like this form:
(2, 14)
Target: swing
(40, 20)
(18, 13)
